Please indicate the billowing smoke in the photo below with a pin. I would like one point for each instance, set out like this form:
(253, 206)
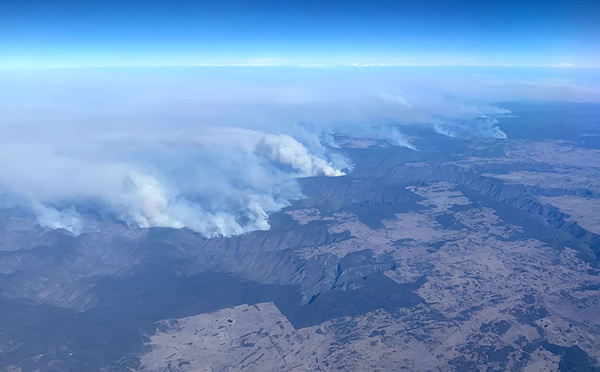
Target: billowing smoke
(480, 127)
(67, 219)
(215, 181)
(216, 150)
(285, 150)
(392, 135)
(248, 201)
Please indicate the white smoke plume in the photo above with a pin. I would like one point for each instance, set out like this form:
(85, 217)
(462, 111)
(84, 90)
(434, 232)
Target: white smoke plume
(218, 182)
(480, 127)
(441, 129)
(66, 219)
(286, 150)
(146, 202)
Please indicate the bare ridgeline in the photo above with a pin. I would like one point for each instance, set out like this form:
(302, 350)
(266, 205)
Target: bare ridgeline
(466, 255)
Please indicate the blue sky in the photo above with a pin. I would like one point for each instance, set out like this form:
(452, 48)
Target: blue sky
(157, 33)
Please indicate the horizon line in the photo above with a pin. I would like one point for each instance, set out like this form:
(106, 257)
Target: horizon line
(308, 66)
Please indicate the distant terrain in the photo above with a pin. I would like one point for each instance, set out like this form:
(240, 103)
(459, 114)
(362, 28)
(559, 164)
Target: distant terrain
(466, 254)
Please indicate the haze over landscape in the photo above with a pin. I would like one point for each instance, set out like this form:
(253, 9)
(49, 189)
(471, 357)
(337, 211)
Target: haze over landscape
(299, 185)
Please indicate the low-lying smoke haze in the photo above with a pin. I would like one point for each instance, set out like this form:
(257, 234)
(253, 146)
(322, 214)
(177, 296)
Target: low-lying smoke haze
(217, 150)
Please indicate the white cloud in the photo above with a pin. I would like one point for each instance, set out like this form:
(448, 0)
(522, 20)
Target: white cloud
(564, 64)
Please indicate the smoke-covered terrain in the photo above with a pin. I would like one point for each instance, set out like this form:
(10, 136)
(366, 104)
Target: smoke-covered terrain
(218, 150)
(206, 220)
